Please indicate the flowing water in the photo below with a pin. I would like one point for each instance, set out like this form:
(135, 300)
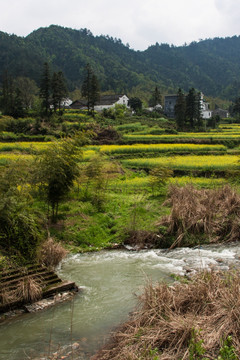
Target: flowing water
(110, 282)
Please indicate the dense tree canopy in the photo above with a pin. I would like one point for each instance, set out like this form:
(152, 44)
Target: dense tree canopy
(211, 66)
(135, 104)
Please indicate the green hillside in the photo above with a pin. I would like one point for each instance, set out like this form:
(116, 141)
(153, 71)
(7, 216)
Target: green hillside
(211, 65)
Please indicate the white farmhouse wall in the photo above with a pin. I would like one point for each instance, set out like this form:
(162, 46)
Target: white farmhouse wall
(206, 114)
(101, 107)
(123, 100)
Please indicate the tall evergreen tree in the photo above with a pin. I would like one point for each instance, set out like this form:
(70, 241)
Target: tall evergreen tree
(59, 90)
(95, 92)
(199, 110)
(193, 110)
(236, 107)
(86, 86)
(7, 94)
(45, 89)
(156, 98)
(180, 109)
(90, 88)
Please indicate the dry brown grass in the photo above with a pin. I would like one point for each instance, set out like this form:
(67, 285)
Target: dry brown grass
(52, 253)
(162, 327)
(7, 296)
(29, 289)
(214, 213)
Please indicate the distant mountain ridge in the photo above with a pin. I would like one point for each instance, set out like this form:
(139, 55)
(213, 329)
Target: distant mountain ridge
(212, 65)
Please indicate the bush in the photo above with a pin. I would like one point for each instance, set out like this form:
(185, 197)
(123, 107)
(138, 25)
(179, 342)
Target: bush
(52, 253)
(20, 228)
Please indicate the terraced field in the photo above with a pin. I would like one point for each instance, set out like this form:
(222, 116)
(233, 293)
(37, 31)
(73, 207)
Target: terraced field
(168, 152)
(187, 163)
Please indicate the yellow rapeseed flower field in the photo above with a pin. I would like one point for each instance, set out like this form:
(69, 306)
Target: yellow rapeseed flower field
(111, 149)
(188, 162)
(24, 146)
(141, 182)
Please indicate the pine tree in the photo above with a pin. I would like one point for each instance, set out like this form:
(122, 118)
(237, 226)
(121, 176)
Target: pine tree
(193, 108)
(95, 92)
(180, 109)
(59, 90)
(236, 107)
(45, 89)
(156, 98)
(90, 88)
(199, 110)
(7, 94)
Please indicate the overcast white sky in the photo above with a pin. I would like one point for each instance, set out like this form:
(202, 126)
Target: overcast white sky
(140, 23)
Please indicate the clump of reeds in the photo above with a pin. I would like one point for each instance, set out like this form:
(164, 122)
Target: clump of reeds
(6, 296)
(29, 289)
(52, 253)
(163, 326)
(214, 213)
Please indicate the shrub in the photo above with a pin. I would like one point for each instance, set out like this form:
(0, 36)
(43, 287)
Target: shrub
(52, 253)
(20, 230)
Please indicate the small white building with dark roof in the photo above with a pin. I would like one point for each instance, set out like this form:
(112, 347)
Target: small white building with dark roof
(109, 101)
(105, 102)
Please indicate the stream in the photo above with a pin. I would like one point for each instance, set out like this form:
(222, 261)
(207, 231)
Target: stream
(110, 282)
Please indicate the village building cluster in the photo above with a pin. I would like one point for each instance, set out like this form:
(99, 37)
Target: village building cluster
(170, 102)
(109, 101)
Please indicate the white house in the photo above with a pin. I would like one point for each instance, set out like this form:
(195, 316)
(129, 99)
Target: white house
(170, 102)
(105, 102)
(205, 111)
(109, 101)
(66, 103)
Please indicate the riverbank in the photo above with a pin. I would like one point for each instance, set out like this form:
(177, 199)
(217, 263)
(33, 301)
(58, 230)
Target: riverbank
(111, 282)
(192, 319)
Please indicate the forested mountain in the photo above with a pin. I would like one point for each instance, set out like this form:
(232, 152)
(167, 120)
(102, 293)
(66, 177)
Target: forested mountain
(212, 66)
